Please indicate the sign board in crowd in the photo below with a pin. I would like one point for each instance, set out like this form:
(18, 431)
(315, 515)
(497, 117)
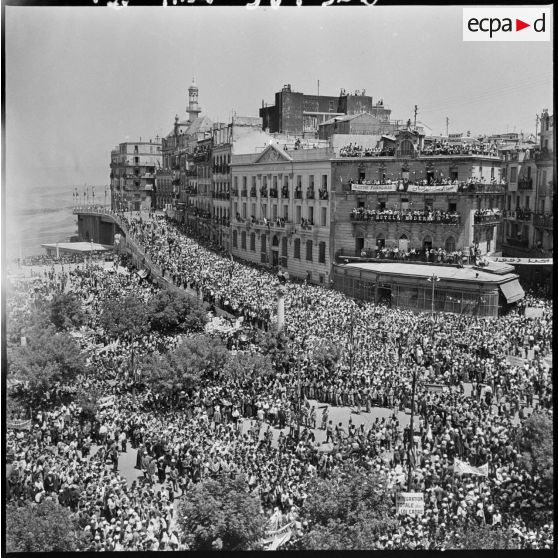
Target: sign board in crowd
(105, 401)
(410, 503)
(533, 312)
(462, 467)
(515, 361)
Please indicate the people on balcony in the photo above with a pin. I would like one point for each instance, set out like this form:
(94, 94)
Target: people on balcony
(306, 223)
(323, 194)
(434, 255)
(409, 215)
(466, 148)
(487, 215)
(285, 191)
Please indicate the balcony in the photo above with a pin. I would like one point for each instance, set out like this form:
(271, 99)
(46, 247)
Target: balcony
(438, 188)
(234, 192)
(543, 220)
(324, 195)
(525, 184)
(221, 195)
(310, 194)
(244, 193)
(263, 191)
(253, 192)
(285, 191)
(273, 193)
(298, 194)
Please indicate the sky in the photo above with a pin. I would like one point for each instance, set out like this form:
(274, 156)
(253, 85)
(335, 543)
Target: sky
(81, 80)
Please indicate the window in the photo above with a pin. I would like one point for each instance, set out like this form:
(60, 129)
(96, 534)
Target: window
(309, 250)
(528, 172)
(244, 182)
(244, 210)
(263, 247)
(235, 239)
(275, 183)
(526, 202)
(286, 181)
(331, 106)
(243, 240)
(253, 182)
(311, 181)
(509, 203)
(311, 215)
(297, 248)
(235, 209)
(253, 242)
(322, 252)
(323, 219)
(452, 206)
(492, 172)
(284, 246)
(324, 181)
(513, 174)
(274, 212)
(298, 181)
(264, 210)
(429, 203)
(298, 214)
(236, 181)
(286, 212)
(265, 181)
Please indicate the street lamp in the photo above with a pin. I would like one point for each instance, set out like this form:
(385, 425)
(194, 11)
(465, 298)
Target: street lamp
(433, 280)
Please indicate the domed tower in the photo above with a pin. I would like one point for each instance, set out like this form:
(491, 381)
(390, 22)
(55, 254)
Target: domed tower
(193, 108)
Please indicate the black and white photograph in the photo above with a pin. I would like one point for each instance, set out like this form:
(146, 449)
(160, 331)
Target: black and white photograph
(277, 276)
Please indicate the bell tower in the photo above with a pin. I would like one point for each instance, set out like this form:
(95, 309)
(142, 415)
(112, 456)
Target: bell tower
(193, 108)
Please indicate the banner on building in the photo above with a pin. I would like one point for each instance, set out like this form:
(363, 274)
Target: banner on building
(444, 188)
(374, 187)
(523, 261)
(410, 503)
(515, 361)
(462, 467)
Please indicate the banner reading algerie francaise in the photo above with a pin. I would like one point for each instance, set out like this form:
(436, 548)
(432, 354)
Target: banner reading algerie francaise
(432, 189)
(374, 187)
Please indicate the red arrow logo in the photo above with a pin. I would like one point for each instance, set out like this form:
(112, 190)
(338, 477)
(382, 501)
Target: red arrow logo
(519, 25)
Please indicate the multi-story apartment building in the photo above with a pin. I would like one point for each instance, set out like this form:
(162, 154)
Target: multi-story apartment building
(301, 114)
(132, 174)
(281, 210)
(528, 226)
(243, 135)
(416, 199)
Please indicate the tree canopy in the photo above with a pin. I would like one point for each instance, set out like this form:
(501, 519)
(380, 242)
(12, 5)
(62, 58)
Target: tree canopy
(347, 513)
(44, 527)
(50, 359)
(66, 311)
(221, 514)
(536, 444)
(183, 368)
(127, 316)
(245, 367)
(174, 311)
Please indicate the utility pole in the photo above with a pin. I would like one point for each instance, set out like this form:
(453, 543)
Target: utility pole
(447, 126)
(416, 110)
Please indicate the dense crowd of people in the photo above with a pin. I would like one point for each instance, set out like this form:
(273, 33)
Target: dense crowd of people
(470, 402)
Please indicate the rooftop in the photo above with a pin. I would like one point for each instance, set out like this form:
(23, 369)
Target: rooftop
(443, 272)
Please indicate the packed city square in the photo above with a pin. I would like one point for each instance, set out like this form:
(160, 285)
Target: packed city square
(330, 401)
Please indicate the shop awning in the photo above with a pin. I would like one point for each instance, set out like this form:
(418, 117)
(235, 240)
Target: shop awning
(512, 291)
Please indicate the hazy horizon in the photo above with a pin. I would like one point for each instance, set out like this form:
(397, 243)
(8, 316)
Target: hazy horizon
(80, 80)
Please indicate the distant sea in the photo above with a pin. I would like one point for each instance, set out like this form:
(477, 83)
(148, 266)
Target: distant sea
(38, 215)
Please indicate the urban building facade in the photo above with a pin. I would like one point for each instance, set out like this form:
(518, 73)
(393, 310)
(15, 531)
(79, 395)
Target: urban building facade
(415, 200)
(132, 174)
(280, 210)
(301, 114)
